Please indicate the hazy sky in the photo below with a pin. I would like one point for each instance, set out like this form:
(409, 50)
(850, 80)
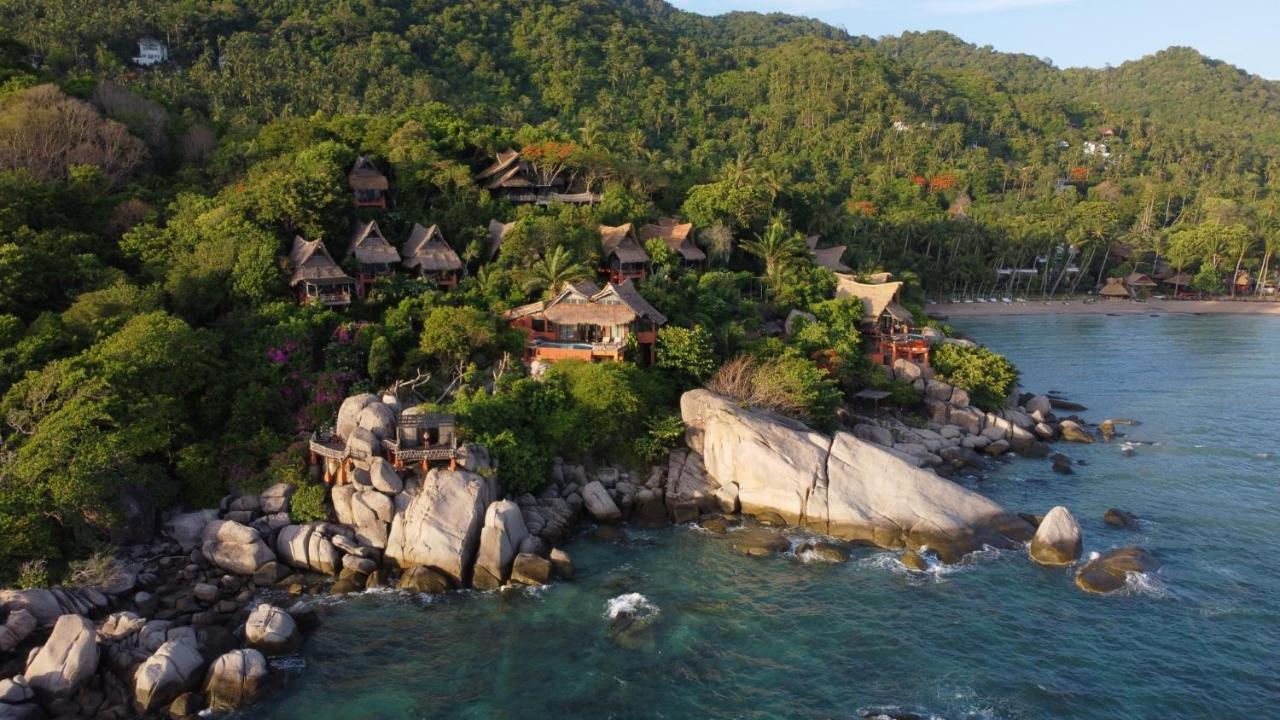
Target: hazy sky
(1069, 32)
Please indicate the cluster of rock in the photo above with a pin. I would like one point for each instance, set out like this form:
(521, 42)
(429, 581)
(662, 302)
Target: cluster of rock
(1058, 543)
(132, 663)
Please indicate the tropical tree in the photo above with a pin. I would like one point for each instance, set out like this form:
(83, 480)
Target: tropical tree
(781, 250)
(550, 273)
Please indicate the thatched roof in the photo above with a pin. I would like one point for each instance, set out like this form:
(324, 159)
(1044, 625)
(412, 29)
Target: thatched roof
(879, 278)
(311, 262)
(677, 235)
(497, 232)
(583, 303)
(426, 250)
(365, 175)
(504, 162)
(1138, 279)
(621, 241)
(370, 247)
(1243, 278)
(1114, 288)
(1179, 280)
(876, 298)
(829, 258)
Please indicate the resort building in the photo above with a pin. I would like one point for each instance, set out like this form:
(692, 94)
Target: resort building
(427, 254)
(376, 257)
(679, 237)
(515, 179)
(624, 256)
(886, 324)
(315, 277)
(828, 258)
(368, 183)
(420, 438)
(1140, 282)
(586, 322)
(150, 52)
(497, 233)
(1115, 290)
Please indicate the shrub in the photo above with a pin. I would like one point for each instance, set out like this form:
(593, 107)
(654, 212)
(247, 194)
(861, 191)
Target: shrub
(788, 384)
(523, 467)
(99, 569)
(308, 503)
(33, 574)
(663, 433)
(687, 352)
(987, 376)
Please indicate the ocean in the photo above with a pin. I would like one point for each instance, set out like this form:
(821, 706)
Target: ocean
(721, 635)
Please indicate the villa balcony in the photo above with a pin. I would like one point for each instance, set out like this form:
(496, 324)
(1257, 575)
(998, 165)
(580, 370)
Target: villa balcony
(888, 348)
(555, 351)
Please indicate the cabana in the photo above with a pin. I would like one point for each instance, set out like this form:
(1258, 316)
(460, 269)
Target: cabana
(1115, 290)
(426, 253)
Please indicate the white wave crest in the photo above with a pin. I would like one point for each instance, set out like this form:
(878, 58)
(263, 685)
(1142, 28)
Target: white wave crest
(1145, 584)
(631, 604)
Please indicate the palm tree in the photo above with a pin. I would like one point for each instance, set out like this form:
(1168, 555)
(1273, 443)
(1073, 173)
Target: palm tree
(780, 249)
(550, 273)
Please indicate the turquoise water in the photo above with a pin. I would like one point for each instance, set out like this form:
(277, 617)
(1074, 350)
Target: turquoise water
(996, 637)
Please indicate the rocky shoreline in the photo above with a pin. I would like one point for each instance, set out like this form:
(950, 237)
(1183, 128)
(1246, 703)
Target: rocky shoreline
(185, 625)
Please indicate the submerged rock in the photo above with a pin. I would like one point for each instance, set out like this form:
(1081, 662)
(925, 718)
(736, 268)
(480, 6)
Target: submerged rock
(823, 551)
(530, 569)
(1110, 571)
(912, 560)
(1057, 540)
(1120, 518)
(1073, 431)
(423, 580)
(758, 542)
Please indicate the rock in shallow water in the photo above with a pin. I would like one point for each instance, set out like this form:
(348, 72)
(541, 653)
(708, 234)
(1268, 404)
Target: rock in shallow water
(1057, 540)
(1110, 571)
(236, 679)
(759, 542)
(913, 561)
(1120, 518)
(272, 631)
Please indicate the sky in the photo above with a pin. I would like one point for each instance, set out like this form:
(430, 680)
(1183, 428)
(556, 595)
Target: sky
(1071, 33)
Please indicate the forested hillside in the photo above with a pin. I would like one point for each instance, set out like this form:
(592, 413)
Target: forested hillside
(149, 347)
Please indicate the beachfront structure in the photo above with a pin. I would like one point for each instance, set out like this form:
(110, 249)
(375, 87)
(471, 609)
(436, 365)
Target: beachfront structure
(828, 258)
(679, 237)
(427, 254)
(512, 177)
(1115, 290)
(315, 277)
(1140, 282)
(586, 322)
(375, 256)
(1243, 282)
(150, 52)
(886, 324)
(497, 233)
(624, 256)
(421, 438)
(368, 184)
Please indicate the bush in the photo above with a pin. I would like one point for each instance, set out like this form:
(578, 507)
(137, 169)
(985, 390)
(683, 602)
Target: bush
(523, 467)
(788, 384)
(688, 352)
(663, 434)
(33, 574)
(988, 377)
(308, 503)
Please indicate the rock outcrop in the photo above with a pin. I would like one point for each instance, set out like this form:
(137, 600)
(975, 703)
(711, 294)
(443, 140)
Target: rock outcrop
(440, 526)
(598, 503)
(272, 631)
(171, 671)
(310, 547)
(1109, 571)
(500, 540)
(234, 547)
(1057, 540)
(236, 680)
(67, 659)
(840, 486)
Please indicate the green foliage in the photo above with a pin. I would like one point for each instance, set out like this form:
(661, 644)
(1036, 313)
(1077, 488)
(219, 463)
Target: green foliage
(663, 433)
(987, 376)
(308, 503)
(689, 353)
(452, 335)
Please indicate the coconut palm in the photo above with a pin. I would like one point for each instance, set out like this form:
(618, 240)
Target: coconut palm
(551, 272)
(780, 249)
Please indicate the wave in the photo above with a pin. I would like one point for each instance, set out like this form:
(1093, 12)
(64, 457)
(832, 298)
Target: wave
(633, 605)
(1144, 584)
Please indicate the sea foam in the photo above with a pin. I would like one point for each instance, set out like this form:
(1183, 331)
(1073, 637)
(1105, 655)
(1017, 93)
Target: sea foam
(631, 604)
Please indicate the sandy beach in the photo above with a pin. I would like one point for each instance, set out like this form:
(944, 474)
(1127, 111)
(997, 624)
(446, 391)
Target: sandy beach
(1124, 307)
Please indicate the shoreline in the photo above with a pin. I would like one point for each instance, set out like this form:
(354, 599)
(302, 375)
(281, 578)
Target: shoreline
(1124, 307)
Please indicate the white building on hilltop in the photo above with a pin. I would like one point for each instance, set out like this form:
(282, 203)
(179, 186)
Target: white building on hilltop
(151, 52)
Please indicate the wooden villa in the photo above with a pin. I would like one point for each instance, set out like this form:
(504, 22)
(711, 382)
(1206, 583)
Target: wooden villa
(1243, 283)
(1140, 282)
(421, 438)
(1115, 290)
(586, 322)
(497, 233)
(886, 324)
(1181, 283)
(679, 237)
(624, 256)
(828, 258)
(512, 177)
(368, 183)
(315, 277)
(376, 257)
(427, 254)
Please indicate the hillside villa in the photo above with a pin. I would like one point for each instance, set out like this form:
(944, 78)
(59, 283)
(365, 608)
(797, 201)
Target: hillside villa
(886, 324)
(512, 177)
(624, 257)
(368, 184)
(679, 237)
(376, 257)
(586, 322)
(828, 258)
(315, 277)
(427, 254)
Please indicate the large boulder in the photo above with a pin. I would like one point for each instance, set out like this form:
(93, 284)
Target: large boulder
(378, 419)
(687, 483)
(272, 631)
(309, 547)
(500, 540)
(362, 443)
(41, 603)
(1040, 404)
(383, 477)
(840, 486)
(17, 627)
(423, 580)
(349, 413)
(67, 659)
(1073, 431)
(188, 528)
(1057, 540)
(599, 504)
(236, 679)
(275, 499)
(171, 671)
(1109, 571)
(234, 547)
(440, 526)
(371, 515)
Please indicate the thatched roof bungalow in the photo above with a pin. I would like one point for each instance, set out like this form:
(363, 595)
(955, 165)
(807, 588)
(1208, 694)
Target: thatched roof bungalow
(678, 236)
(586, 322)
(624, 256)
(828, 258)
(1115, 290)
(315, 277)
(427, 253)
(368, 183)
(497, 233)
(375, 256)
